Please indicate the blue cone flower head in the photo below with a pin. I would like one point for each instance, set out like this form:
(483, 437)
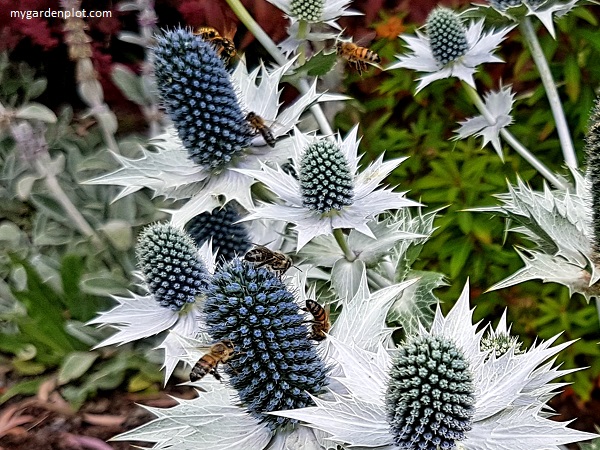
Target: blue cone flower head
(198, 95)
(228, 237)
(168, 259)
(276, 366)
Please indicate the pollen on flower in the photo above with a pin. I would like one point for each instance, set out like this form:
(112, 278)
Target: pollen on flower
(228, 237)
(275, 367)
(169, 263)
(447, 35)
(198, 95)
(308, 10)
(325, 180)
(430, 398)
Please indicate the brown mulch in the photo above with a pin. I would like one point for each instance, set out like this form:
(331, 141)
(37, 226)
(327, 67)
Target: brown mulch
(35, 423)
(46, 422)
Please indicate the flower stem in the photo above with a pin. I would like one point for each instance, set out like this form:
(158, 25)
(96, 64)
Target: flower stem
(302, 31)
(242, 13)
(555, 105)
(341, 240)
(377, 280)
(514, 143)
(61, 197)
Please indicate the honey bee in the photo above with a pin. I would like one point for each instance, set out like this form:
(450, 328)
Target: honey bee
(276, 261)
(258, 125)
(357, 57)
(223, 45)
(320, 324)
(220, 352)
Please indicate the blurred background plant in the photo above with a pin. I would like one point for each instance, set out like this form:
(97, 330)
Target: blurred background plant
(59, 271)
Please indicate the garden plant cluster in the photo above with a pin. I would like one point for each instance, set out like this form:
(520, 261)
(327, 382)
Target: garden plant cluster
(278, 240)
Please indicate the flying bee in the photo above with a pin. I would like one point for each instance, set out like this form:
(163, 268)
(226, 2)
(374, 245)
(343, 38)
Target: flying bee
(276, 261)
(220, 352)
(223, 45)
(357, 57)
(258, 124)
(320, 324)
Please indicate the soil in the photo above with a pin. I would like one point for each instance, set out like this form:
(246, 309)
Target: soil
(47, 423)
(50, 424)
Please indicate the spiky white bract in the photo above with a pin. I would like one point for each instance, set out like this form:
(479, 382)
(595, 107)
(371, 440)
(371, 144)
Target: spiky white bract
(546, 11)
(510, 392)
(559, 224)
(498, 105)
(141, 316)
(367, 201)
(215, 419)
(480, 50)
(169, 172)
(212, 421)
(330, 12)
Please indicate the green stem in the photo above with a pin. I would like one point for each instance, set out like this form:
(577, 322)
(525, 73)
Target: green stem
(514, 143)
(377, 280)
(302, 33)
(555, 104)
(242, 13)
(341, 240)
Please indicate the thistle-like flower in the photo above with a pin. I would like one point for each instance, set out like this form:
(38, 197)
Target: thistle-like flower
(174, 271)
(168, 260)
(449, 49)
(209, 109)
(274, 366)
(562, 224)
(315, 11)
(545, 10)
(277, 367)
(199, 97)
(229, 238)
(442, 390)
(498, 105)
(329, 192)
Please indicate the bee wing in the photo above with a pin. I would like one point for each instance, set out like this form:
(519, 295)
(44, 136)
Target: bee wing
(192, 349)
(229, 30)
(366, 39)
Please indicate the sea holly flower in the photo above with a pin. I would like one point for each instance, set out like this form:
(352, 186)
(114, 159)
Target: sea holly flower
(329, 193)
(558, 223)
(174, 270)
(563, 225)
(274, 366)
(442, 390)
(278, 367)
(315, 11)
(499, 105)
(229, 238)
(545, 10)
(449, 49)
(199, 97)
(212, 136)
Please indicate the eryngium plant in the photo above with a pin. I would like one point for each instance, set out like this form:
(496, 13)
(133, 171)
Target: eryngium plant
(228, 237)
(276, 366)
(198, 95)
(168, 259)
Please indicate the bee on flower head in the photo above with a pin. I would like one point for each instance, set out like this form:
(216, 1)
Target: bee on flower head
(223, 45)
(221, 352)
(262, 256)
(320, 322)
(357, 57)
(257, 123)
